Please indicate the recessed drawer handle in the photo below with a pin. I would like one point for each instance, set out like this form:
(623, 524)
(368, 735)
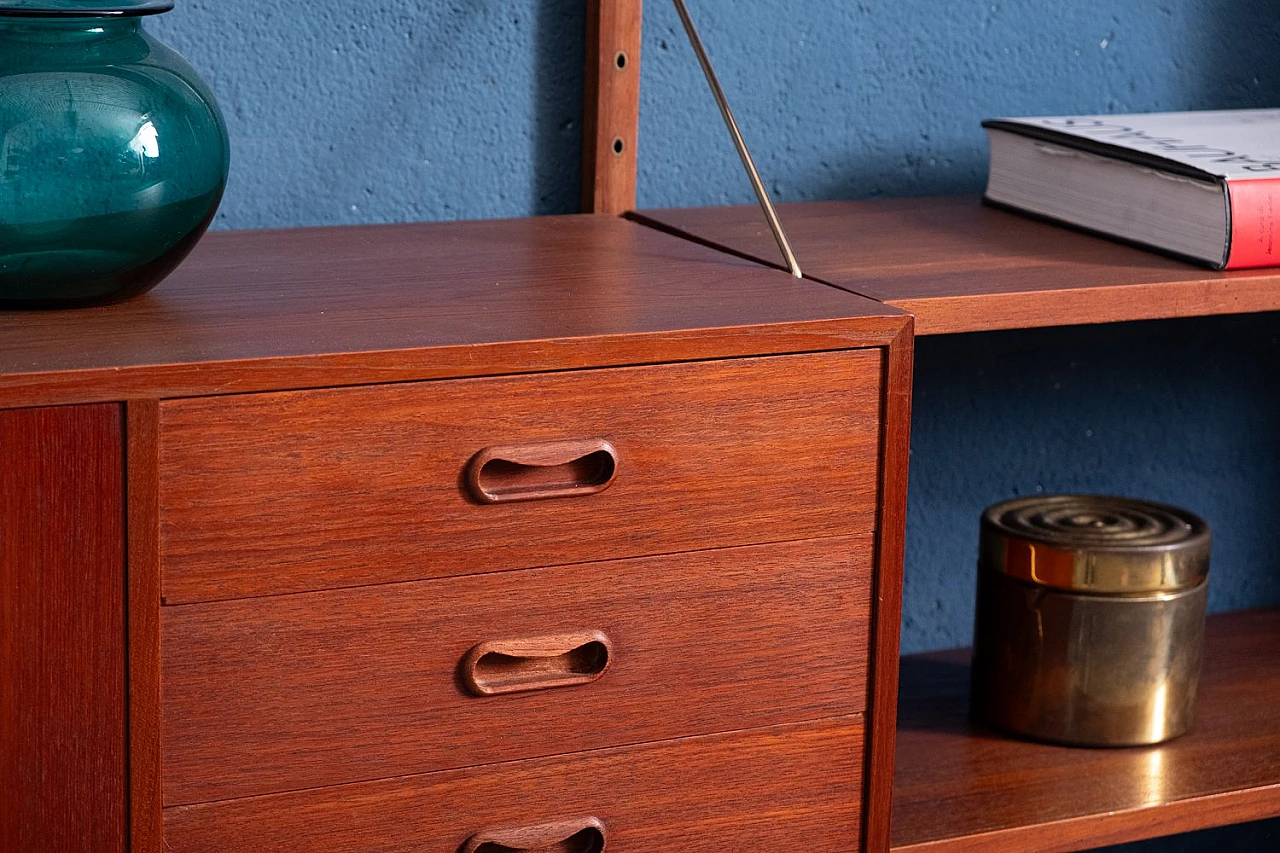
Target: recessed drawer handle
(549, 469)
(536, 663)
(584, 835)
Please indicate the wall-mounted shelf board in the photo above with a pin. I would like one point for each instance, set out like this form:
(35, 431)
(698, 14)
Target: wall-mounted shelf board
(961, 787)
(960, 266)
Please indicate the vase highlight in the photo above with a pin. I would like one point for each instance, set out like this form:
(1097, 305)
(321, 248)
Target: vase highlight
(113, 153)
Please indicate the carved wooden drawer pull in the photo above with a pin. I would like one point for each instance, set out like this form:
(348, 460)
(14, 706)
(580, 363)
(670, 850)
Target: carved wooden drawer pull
(549, 469)
(536, 663)
(584, 835)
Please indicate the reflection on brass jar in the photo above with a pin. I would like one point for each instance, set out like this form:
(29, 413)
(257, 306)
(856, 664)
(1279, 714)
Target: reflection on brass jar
(1090, 619)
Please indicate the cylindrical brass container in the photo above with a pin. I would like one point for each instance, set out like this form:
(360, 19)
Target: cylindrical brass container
(1090, 619)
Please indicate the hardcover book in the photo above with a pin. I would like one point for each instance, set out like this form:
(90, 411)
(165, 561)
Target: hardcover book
(1204, 186)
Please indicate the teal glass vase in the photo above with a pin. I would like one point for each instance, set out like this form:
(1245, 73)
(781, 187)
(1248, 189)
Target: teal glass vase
(113, 153)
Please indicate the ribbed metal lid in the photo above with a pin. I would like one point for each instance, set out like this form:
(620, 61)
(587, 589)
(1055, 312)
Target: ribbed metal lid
(82, 8)
(1094, 543)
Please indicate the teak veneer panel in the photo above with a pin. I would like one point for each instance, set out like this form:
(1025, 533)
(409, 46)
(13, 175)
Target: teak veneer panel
(301, 691)
(62, 630)
(273, 493)
(960, 266)
(960, 787)
(314, 307)
(785, 788)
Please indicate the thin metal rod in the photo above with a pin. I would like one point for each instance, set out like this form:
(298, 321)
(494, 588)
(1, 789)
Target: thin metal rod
(766, 204)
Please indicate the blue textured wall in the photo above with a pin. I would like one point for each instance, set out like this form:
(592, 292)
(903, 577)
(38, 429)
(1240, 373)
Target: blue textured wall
(389, 110)
(844, 99)
(385, 110)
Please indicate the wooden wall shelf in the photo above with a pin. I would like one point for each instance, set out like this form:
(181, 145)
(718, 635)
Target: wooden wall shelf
(258, 311)
(960, 787)
(960, 266)
(272, 311)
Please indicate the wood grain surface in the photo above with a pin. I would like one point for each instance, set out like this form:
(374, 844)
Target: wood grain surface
(611, 106)
(786, 788)
(146, 831)
(62, 630)
(273, 493)
(307, 308)
(959, 266)
(961, 787)
(287, 692)
(887, 610)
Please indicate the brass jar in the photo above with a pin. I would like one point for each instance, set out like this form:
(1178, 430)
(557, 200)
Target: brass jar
(1090, 619)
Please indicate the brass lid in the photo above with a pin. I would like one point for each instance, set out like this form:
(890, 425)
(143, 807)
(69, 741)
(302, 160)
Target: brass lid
(1093, 543)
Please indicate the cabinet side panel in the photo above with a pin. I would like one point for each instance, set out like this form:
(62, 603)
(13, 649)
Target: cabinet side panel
(62, 680)
(895, 454)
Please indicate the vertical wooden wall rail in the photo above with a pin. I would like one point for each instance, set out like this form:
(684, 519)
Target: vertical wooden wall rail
(611, 106)
(62, 641)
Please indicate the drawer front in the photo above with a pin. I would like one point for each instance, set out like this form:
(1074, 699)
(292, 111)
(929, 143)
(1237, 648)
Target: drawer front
(313, 689)
(274, 493)
(787, 788)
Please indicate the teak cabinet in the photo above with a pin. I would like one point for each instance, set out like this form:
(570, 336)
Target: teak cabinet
(545, 534)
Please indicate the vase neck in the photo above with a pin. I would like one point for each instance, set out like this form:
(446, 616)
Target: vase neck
(82, 8)
(67, 31)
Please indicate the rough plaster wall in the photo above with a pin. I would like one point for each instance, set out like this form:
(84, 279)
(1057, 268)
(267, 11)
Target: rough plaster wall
(387, 110)
(843, 99)
(390, 110)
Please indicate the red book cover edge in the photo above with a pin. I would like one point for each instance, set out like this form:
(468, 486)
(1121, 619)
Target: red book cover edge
(1254, 205)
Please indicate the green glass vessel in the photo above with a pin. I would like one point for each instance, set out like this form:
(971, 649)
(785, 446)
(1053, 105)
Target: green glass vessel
(113, 153)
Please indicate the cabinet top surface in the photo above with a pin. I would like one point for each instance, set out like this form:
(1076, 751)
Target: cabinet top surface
(262, 310)
(960, 266)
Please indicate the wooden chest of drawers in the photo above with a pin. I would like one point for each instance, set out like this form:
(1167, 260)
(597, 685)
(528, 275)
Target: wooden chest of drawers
(552, 534)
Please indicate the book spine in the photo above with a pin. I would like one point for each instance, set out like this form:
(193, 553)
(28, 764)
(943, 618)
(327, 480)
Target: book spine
(1255, 203)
